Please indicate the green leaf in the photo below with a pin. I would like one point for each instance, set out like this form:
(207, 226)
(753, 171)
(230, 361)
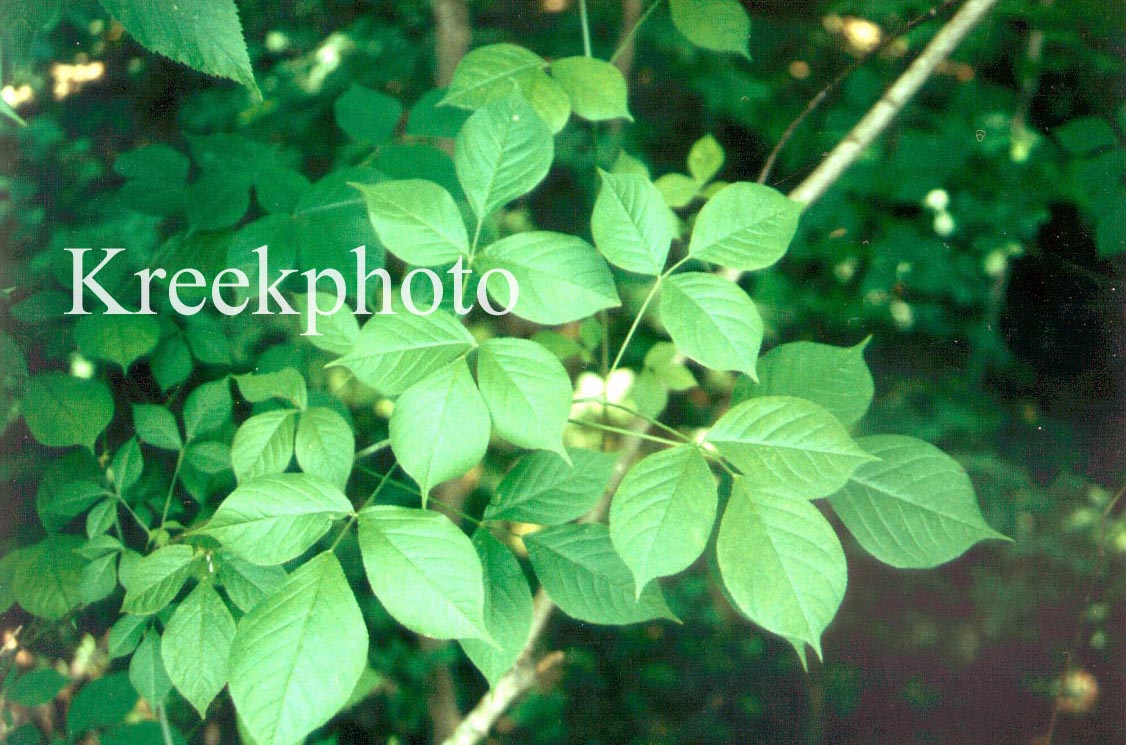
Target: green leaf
(146, 670)
(196, 646)
(429, 118)
(99, 579)
(440, 427)
(203, 34)
(101, 517)
(47, 578)
(140, 733)
(62, 410)
(507, 609)
(263, 444)
(711, 320)
(630, 223)
(156, 180)
(338, 331)
(207, 409)
(273, 519)
(548, 98)
(787, 446)
(245, 583)
(330, 220)
(99, 546)
(368, 116)
(597, 89)
(561, 278)
(424, 570)
(718, 25)
(171, 363)
(705, 158)
(156, 426)
(914, 507)
(282, 648)
(487, 74)
(744, 226)
(835, 378)
(36, 687)
(128, 465)
(120, 339)
(216, 201)
(157, 579)
(58, 504)
(582, 573)
(527, 391)
(503, 151)
(662, 513)
(288, 385)
(1086, 135)
(125, 635)
(208, 458)
(417, 221)
(325, 445)
(394, 352)
(279, 189)
(661, 360)
(677, 189)
(544, 489)
(782, 564)
(100, 703)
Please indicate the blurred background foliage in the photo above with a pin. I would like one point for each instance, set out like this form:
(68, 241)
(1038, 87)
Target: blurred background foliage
(981, 243)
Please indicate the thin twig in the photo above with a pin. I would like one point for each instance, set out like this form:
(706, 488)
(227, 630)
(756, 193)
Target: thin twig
(523, 675)
(816, 101)
(888, 107)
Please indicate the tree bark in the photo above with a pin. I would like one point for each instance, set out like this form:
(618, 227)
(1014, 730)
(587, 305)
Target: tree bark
(453, 32)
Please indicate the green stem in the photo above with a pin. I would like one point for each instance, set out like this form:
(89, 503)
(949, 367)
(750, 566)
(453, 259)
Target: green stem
(454, 510)
(373, 449)
(165, 730)
(171, 489)
(136, 518)
(627, 432)
(628, 38)
(585, 20)
(352, 519)
(636, 413)
(636, 322)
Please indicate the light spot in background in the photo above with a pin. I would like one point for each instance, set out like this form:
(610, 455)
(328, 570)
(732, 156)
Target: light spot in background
(17, 96)
(554, 6)
(937, 199)
(860, 35)
(901, 314)
(69, 79)
(1079, 690)
(799, 69)
(80, 367)
(944, 224)
(276, 42)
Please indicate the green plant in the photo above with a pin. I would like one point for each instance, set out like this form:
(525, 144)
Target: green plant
(207, 602)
